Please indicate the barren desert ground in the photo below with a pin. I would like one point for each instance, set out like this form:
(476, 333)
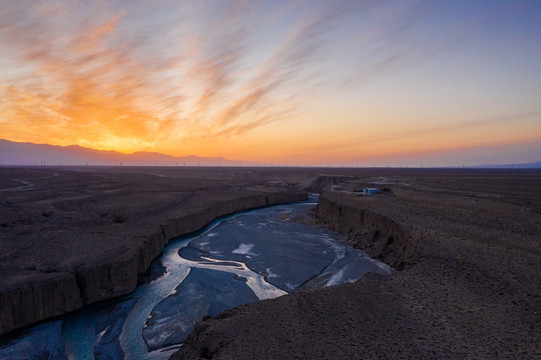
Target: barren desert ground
(465, 244)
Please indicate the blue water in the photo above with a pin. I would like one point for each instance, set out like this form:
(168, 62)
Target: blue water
(258, 254)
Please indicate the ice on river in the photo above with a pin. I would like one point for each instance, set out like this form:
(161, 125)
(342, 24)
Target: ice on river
(244, 249)
(255, 255)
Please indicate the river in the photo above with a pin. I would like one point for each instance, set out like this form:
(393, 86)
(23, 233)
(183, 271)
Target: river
(258, 254)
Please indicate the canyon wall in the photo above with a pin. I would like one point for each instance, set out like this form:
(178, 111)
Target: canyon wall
(35, 296)
(378, 235)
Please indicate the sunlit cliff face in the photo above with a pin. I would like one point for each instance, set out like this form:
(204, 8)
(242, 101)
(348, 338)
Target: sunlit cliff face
(300, 82)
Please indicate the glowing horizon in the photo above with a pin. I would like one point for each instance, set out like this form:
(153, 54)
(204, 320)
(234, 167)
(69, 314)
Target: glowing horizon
(305, 82)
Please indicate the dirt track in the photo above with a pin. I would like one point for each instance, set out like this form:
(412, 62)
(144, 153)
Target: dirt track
(469, 288)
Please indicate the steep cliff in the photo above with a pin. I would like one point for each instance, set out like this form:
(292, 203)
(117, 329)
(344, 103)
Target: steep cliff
(376, 234)
(29, 296)
(37, 296)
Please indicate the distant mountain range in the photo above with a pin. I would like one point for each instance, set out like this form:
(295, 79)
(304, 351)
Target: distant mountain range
(18, 153)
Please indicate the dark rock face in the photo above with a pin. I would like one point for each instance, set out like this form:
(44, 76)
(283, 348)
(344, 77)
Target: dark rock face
(377, 235)
(111, 277)
(37, 296)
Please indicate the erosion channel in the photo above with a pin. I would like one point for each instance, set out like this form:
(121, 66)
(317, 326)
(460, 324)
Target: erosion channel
(242, 258)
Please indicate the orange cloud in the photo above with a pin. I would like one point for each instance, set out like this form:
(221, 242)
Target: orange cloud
(93, 79)
(88, 88)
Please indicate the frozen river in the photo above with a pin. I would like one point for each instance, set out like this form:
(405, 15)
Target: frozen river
(242, 258)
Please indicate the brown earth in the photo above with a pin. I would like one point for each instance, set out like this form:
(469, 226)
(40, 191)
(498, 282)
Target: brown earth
(70, 237)
(467, 248)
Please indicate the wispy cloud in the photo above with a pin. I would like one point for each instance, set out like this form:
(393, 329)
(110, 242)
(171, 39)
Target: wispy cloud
(95, 77)
(430, 131)
(83, 84)
(130, 75)
(452, 127)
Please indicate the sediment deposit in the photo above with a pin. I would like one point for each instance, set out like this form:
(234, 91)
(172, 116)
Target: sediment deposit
(467, 248)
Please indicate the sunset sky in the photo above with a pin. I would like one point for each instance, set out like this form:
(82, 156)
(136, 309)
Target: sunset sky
(363, 83)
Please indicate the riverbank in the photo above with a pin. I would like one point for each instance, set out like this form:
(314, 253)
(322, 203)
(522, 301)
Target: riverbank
(467, 248)
(74, 237)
